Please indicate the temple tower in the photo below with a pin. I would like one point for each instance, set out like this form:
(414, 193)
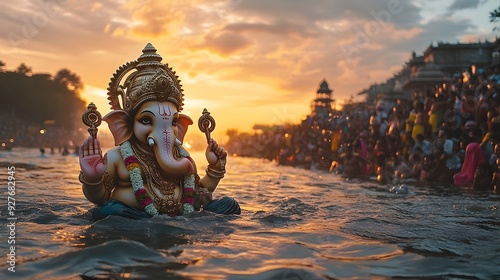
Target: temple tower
(321, 106)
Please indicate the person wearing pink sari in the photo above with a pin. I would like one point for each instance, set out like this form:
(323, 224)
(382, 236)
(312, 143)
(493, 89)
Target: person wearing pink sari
(474, 156)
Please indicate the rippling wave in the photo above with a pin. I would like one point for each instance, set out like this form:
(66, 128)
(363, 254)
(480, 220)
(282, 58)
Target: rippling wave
(295, 224)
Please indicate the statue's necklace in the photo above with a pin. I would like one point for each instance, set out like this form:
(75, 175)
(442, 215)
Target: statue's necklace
(167, 203)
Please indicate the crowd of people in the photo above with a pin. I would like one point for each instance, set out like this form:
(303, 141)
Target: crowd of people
(18, 133)
(446, 135)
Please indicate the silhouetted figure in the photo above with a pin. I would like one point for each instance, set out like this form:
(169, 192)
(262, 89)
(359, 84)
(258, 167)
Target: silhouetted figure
(42, 152)
(65, 151)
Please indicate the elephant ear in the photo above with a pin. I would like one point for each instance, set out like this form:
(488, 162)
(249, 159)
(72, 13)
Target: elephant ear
(182, 126)
(120, 125)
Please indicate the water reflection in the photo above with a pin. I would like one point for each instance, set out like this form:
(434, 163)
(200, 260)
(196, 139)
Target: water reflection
(295, 223)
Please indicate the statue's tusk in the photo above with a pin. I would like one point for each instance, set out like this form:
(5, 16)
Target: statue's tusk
(178, 142)
(151, 141)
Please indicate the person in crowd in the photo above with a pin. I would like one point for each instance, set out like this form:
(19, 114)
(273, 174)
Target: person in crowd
(469, 105)
(440, 173)
(453, 161)
(424, 145)
(436, 112)
(350, 164)
(402, 168)
(474, 156)
(482, 177)
(495, 181)
(420, 121)
(451, 124)
(495, 76)
(375, 121)
(361, 152)
(429, 171)
(484, 100)
(492, 161)
(385, 172)
(396, 131)
(42, 152)
(441, 138)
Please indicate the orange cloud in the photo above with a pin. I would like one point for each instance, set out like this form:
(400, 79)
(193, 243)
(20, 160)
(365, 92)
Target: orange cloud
(225, 42)
(155, 17)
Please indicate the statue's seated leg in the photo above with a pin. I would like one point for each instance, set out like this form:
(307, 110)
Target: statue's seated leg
(117, 208)
(225, 205)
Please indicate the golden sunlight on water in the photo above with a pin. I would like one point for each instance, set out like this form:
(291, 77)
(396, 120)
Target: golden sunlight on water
(295, 224)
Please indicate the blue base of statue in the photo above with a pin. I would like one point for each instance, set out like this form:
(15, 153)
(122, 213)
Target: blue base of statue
(225, 205)
(117, 208)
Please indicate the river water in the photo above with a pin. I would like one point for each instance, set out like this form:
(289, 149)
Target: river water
(295, 224)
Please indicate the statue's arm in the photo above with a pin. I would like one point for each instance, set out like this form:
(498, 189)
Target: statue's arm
(97, 172)
(209, 183)
(216, 156)
(98, 192)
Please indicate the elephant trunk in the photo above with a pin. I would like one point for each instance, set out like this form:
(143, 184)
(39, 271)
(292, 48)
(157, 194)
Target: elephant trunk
(163, 148)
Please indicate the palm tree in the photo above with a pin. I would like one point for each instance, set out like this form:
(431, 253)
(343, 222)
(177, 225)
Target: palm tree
(495, 16)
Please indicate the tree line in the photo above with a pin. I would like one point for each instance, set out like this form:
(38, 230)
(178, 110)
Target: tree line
(39, 98)
(39, 109)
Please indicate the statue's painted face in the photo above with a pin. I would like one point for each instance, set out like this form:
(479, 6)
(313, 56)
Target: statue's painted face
(156, 120)
(162, 127)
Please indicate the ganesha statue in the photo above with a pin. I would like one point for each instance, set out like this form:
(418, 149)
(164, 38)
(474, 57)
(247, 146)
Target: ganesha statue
(149, 172)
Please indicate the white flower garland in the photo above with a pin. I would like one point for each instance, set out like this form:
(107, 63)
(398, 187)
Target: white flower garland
(189, 182)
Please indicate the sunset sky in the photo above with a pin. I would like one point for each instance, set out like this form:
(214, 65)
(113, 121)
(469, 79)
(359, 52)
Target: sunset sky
(247, 61)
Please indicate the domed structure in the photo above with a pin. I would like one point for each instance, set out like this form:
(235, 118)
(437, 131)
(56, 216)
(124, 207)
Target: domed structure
(324, 88)
(397, 91)
(428, 71)
(426, 76)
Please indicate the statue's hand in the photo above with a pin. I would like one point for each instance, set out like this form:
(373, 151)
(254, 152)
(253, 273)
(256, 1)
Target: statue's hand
(92, 163)
(214, 154)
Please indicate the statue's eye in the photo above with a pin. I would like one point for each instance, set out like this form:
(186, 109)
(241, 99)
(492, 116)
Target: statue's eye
(174, 121)
(145, 120)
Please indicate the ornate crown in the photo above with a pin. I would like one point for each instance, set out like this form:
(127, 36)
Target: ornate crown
(152, 81)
